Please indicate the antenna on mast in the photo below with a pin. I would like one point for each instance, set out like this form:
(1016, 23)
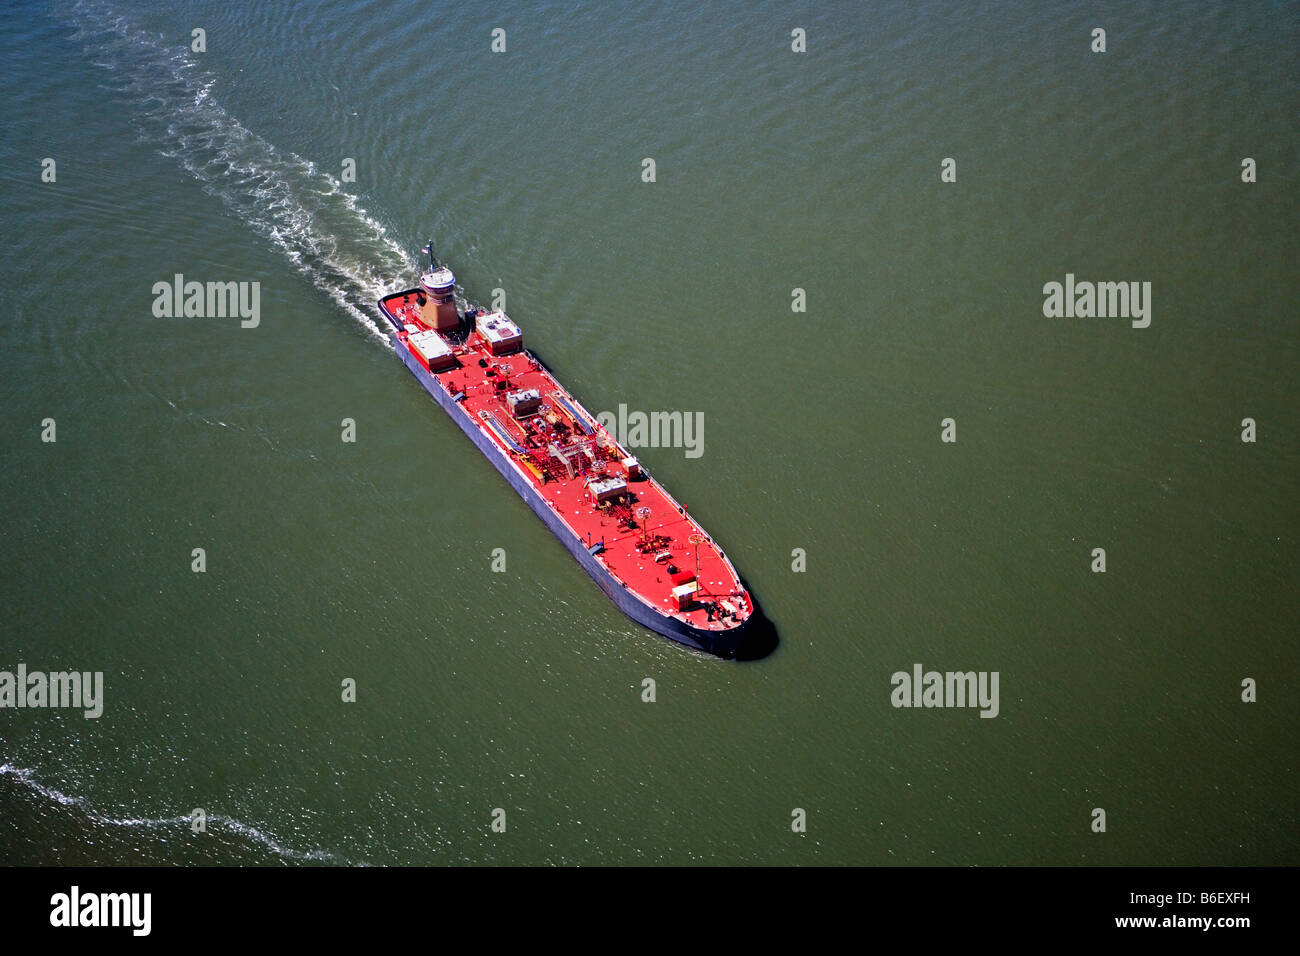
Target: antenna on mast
(433, 262)
(644, 514)
(697, 539)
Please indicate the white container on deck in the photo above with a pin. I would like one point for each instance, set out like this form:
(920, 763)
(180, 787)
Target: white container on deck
(684, 595)
(602, 489)
(524, 403)
(435, 352)
(500, 334)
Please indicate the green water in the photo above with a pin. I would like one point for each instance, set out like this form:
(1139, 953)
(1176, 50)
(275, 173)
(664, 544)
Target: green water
(521, 690)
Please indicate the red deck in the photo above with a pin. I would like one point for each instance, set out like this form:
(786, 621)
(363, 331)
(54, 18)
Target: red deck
(631, 541)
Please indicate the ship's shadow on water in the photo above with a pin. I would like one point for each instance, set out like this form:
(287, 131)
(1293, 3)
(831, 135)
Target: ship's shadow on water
(760, 638)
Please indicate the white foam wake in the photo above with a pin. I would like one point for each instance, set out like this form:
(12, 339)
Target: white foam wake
(300, 208)
(214, 821)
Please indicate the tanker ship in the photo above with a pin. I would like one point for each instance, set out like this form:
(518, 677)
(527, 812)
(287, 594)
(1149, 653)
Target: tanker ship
(629, 534)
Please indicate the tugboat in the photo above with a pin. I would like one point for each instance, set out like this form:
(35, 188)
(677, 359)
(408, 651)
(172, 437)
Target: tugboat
(630, 535)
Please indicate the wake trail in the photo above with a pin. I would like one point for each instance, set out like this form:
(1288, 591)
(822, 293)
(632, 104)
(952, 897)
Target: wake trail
(301, 209)
(217, 822)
